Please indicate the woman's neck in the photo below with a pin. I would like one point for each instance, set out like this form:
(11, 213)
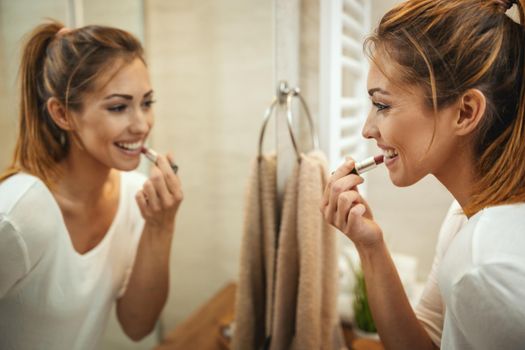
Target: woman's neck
(459, 176)
(84, 179)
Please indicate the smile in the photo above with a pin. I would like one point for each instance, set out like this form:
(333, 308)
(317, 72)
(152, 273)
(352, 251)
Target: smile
(133, 147)
(390, 153)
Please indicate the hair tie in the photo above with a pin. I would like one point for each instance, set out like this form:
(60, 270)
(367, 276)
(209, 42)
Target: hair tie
(506, 4)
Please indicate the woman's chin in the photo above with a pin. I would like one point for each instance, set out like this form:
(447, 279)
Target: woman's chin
(401, 180)
(130, 166)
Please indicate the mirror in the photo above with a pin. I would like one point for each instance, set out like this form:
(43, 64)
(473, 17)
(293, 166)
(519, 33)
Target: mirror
(212, 67)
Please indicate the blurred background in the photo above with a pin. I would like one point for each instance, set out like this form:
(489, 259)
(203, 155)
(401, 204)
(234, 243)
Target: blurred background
(215, 66)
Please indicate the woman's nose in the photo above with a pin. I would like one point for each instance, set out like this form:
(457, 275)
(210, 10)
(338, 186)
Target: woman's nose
(370, 129)
(141, 122)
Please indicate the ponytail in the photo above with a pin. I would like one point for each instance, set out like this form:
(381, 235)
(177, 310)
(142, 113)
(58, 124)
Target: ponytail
(37, 150)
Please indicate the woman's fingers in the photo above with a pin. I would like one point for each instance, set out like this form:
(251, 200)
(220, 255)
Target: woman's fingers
(158, 178)
(345, 202)
(343, 171)
(140, 197)
(344, 184)
(340, 172)
(172, 180)
(152, 197)
(354, 217)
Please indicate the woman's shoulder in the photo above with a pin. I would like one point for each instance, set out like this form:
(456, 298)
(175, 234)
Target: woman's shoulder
(23, 191)
(500, 219)
(29, 214)
(498, 234)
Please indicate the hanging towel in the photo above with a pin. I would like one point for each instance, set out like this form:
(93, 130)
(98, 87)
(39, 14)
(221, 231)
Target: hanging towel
(287, 292)
(254, 292)
(305, 312)
(287, 274)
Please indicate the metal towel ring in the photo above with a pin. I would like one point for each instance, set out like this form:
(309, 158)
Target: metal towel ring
(284, 97)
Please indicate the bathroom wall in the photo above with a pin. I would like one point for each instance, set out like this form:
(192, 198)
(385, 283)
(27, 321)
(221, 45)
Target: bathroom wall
(212, 65)
(309, 46)
(124, 14)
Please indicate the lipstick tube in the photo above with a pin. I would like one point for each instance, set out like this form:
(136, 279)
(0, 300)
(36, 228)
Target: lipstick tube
(367, 164)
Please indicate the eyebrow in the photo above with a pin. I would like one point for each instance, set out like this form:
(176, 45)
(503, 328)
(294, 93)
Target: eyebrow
(371, 92)
(127, 97)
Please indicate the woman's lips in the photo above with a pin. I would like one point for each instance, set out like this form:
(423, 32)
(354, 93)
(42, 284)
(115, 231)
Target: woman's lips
(390, 154)
(129, 149)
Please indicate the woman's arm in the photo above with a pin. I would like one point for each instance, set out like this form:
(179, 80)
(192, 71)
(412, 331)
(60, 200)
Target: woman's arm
(344, 208)
(147, 291)
(393, 315)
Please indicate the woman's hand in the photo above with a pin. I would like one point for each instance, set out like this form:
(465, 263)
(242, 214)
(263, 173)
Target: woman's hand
(344, 208)
(139, 308)
(160, 196)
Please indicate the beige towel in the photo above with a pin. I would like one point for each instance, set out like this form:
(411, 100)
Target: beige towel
(254, 292)
(287, 276)
(300, 312)
(305, 314)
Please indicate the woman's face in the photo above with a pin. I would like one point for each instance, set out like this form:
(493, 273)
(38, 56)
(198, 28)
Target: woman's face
(403, 125)
(116, 119)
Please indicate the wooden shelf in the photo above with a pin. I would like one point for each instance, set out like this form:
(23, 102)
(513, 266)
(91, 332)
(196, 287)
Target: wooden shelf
(204, 329)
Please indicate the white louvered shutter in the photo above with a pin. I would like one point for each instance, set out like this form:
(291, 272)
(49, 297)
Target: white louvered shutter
(344, 67)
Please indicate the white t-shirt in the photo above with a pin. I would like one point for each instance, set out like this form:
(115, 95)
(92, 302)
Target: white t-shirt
(430, 310)
(52, 297)
(476, 290)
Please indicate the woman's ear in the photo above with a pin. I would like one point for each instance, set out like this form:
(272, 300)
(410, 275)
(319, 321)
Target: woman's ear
(472, 106)
(58, 113)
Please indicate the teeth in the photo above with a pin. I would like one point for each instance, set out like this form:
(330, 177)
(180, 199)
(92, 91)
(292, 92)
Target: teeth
(390, 153)
(130, 146)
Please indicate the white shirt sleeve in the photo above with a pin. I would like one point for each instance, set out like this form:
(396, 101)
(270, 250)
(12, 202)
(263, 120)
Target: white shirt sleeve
(430, 310)
(14, 259)
(499, 294)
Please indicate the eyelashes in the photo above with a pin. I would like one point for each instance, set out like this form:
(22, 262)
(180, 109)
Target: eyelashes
(149, 103)
(122, 107)
(380, 106)
(117, 108)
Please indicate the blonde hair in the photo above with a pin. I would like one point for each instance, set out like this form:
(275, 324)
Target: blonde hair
(449, 46)
(64, 64)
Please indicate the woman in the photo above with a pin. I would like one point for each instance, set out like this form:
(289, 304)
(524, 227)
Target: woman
(448, 92)
(78, 230)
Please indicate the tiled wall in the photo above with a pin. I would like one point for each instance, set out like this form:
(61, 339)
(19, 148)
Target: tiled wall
(212, 65)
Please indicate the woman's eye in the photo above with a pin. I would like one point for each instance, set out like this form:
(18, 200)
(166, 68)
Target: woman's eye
(380, 106)
(148, 104)
(117, 108)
